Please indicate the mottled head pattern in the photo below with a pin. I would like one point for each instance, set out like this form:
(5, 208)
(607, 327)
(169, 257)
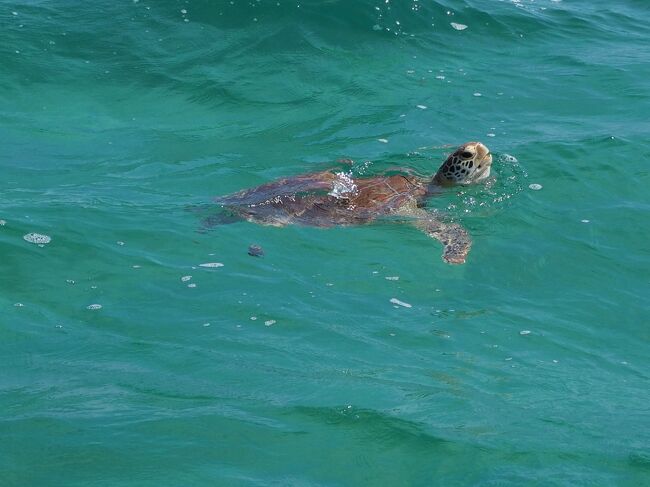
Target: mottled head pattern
(469, 163)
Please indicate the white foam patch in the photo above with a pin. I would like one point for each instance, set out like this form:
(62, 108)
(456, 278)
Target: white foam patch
(400, 303)
(185, 278)
(458, 26)
(211, 265)
(535, 186)
(94, 306)
(270, 322)
(37, 238)
(392, 278)
(343, 185)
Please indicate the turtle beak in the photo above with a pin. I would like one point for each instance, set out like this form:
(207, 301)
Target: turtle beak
(484, 155)
(483, 160)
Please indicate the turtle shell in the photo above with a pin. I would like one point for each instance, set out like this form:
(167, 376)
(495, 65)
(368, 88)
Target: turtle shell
(325, 199)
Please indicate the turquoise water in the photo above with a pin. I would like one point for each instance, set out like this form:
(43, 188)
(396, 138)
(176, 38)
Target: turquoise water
(116, 118)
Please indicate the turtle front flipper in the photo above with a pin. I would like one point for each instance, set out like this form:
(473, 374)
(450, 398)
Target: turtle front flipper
(454, 238)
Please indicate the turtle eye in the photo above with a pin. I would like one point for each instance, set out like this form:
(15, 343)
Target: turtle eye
(466, 155)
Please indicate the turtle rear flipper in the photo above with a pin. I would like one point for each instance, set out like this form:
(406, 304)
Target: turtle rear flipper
(217, 219)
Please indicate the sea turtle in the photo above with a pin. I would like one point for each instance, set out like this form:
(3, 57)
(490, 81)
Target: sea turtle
(327, 198)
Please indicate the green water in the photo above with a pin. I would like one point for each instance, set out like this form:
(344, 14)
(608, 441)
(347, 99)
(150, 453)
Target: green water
(117, 117)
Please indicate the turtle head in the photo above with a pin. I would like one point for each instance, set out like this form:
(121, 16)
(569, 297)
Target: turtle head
(468, 164)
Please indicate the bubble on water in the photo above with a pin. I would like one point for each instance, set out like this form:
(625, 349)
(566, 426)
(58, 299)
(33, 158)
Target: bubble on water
(491, 134)
(206, 324)
(70, 281)
(584, 221)
(253, 318)
(440, 76)
(37, 238)
(183, 11)
(383, 141)
(507, 158)
(185, 278)
(525, 332)
(211, 265)
(392, 278)
(458, 26)
(376, 27)
(478, 94)
(270, 322)
(94, 306)
(19, 305)
(2, 223)
(192, 285)
(400, 303)
(136, 266)
(422, 107)
(120, 243)
(535, 186)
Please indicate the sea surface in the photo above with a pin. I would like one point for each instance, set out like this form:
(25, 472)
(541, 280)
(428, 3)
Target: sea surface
(124, 362)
